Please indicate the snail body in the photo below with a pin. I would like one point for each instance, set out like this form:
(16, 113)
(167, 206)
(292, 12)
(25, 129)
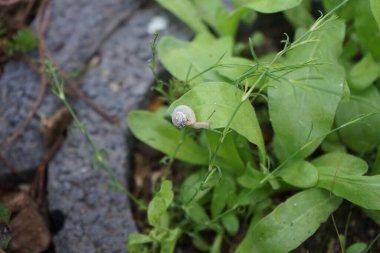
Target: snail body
(183, 116)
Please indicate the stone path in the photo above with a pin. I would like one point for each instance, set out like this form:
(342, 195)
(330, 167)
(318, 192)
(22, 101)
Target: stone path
(95, 217)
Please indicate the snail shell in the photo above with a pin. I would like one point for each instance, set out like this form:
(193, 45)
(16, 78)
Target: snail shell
(183, 116)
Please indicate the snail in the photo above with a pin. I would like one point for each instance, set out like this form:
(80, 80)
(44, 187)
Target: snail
(183, 116)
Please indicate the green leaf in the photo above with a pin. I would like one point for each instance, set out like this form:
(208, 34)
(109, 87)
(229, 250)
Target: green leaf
(217, 244)
(5, 214)
(341, 164)
(185, 60)
(219, 108)
(300, 16)
(231, 223)
(161, 201)
(217, 16)
(271, 6)
(375, 8)
(366, 29)
(291, 223)
(374, 215)
(302, 105)
(190, 188)
(251, 178)
(227, 152)
(196, 212)
(135, 238)
(361, 190)
(224, 192)
(300, 173)
(170, 240)
(358, 247)
(364, 73)
(362, 137)
(163, 136)
(185, 11)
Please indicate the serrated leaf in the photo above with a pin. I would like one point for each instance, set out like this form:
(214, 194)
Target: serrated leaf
(300, 173)
(341, 164)
(302, 105)
(161, 201)
(291, 223)
(219, 108)
(163, 136)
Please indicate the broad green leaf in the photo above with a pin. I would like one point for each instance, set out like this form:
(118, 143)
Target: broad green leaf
(303, 102)
(160, 202)
(375, 8)
(362, 137)
(300, 173)
(271, 6)
(231, 223)
(216, 102)
(358, 247)
(170, 240)
(364, 73)
(300, 16)
(361, 190)
(163, 136)
(252, 197)
(214, 13)
(228, 152)
(341, 164)
(185, 60)
(291, 223)
(366, 29)
(185, 11)
(224, 192)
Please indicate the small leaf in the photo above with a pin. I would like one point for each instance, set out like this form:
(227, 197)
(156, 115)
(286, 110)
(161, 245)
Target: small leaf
(190, 188)
(300, 173)
(361, 190)
(364, 73)
(231, 223)
(219, 108)
(291, 223)
(341, 164)
(271, 6)
(375, 8)
(163, 136)
(5, 214)
(197, 213)
(185, 11)
(135, 238)
(251, 178)
(170, 240)
(358, 247)
(161, 201)
(223, 192)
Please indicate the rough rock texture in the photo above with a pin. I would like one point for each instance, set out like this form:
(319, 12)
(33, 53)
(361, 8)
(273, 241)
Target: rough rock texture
(96, 217)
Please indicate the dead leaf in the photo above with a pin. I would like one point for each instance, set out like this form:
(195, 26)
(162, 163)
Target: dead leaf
(54, 126)
(28, 226)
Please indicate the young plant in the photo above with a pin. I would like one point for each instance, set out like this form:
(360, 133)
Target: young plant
(325, 128)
